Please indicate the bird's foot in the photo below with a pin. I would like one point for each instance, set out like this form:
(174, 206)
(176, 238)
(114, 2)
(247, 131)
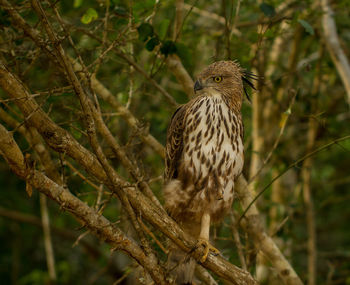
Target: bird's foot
(207, 247)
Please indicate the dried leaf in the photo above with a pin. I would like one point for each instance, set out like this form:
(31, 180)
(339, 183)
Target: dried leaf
(284, 118)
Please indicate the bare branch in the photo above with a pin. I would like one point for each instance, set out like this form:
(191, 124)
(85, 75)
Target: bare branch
(175, 65)
(97, 223)
(306, 179)
(62, 141)
(333, 45)
(237, 240)
(253, 225)
(66, 234)
(178, 19)
(125, 113)
(106, 95)
(90, 112)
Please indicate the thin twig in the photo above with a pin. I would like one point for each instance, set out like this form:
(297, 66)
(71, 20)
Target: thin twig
(289, 167)
(283, 123)
(89, 111)
(121, 279)
(76, 171)
(50, 258)
(237, 241)
(148, 231)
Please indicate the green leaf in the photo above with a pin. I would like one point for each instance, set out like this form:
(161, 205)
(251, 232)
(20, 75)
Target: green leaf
(308, 28)
(269, 34)
(152, 43)
(267, 9)
(144, 5)
(168, 47)
(164, 25)
(77, 3)
(145, 31)
(89, 16)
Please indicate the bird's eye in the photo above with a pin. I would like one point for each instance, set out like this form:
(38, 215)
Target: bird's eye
(217, 79)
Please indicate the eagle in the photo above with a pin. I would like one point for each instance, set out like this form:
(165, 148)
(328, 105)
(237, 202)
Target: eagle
(204, 156)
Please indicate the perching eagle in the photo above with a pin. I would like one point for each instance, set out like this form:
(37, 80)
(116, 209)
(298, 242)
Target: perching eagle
(204, 156)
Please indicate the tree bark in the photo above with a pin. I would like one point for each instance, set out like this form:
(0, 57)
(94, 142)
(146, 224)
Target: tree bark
(331, 38)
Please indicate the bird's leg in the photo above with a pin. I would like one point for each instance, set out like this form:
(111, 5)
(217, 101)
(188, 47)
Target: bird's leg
(203, 239)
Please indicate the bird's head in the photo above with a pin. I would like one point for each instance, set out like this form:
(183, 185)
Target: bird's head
(225, 77)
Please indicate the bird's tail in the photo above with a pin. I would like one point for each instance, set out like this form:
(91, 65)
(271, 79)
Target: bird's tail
(181, 266)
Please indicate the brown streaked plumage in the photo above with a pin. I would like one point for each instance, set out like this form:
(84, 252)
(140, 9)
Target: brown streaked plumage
(204, 155)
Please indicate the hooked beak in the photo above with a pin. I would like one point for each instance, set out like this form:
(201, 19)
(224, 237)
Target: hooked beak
(198, 86)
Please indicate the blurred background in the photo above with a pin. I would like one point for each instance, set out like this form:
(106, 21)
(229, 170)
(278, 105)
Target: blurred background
(133, 48)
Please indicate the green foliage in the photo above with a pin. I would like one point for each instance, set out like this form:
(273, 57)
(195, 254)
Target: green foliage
(184, 53)
(35, 277)
(267, 9)
(77, 3)
(163, 28)
(147, 34)
(152, 43)
(89, 16)
(144, 31)
(168, 47)
(143, 5)
(308, 28)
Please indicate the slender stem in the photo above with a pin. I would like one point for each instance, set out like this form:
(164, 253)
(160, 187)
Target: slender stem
(50, 258)
(289, 167)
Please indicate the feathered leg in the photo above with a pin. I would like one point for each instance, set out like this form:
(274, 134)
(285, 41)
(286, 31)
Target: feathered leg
(181, 264)
(203, 239)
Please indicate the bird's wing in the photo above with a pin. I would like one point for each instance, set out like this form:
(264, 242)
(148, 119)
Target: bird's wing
(174, 143)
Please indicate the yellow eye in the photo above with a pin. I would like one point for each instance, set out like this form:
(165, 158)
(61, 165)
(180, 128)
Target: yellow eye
(217, 79)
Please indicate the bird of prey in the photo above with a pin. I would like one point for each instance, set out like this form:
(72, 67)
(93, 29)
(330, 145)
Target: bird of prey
(204, 156)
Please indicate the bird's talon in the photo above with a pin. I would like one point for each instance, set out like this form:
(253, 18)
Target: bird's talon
(207, 247)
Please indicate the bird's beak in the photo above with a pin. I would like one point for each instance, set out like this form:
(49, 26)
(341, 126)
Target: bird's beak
(198, 86)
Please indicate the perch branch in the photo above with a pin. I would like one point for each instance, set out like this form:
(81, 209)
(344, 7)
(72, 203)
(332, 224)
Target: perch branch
(255, 229)
(61, 141)
(89, 109)
(106, 95)
(95, 222)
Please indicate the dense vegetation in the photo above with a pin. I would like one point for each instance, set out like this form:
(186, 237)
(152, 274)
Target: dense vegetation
(134, 60)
